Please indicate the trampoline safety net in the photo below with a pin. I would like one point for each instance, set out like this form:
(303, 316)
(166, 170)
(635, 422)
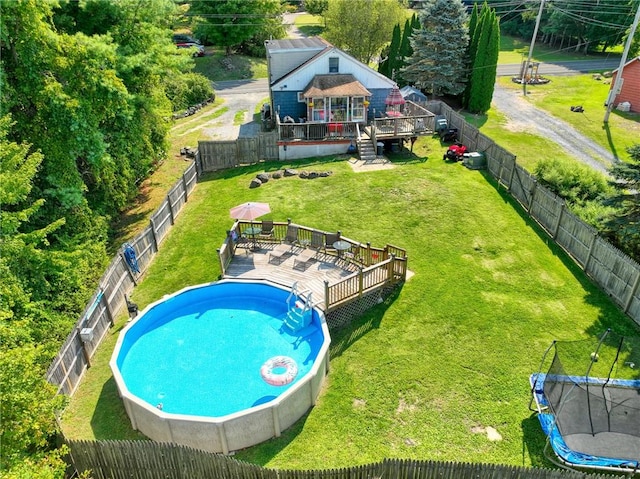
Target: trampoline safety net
(593, 388)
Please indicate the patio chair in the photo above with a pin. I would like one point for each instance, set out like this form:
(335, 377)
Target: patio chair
(240, 241)
(303, 260)
(279, 254)
(267, 231)
(329, 240)
(292, 234)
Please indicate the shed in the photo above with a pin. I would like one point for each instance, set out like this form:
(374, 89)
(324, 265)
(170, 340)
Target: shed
(630, 91)
(413, 94)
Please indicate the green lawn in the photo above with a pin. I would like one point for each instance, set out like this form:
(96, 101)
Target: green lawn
(423, 374)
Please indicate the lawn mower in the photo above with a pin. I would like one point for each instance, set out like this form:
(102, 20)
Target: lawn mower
(455, 152)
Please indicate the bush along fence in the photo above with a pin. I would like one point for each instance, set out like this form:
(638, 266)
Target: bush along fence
(110, 298)
(613, 271)
(146, 459)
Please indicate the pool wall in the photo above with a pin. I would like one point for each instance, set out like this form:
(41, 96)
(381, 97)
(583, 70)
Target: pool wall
(234, 431)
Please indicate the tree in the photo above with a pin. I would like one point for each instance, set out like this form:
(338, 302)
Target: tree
(389, 64)
(316, 7)
(405, 48)
(362, 27)
(439, 49)
(229, 23)
(485, 61)
(623, 227)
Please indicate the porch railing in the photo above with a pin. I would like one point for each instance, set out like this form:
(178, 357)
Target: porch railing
(377, 267)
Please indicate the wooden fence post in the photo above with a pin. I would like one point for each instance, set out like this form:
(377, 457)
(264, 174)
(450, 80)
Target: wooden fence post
(591, 246)
(557, 225)
(533, 195)
(360, 281)
(327, 302)
(634, 288)
(107, 308)
(513, 172)
(171, 214)
(186, 188)
(153, 235)
(390, 268)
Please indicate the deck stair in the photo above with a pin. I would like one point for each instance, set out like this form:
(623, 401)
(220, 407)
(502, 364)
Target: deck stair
(299, 304)
(366, 148)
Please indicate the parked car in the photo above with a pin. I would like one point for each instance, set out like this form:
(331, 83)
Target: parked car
(198, 49)
(183, 38)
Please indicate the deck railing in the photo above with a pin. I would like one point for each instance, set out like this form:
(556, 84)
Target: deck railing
(315, 131)
(377, 267)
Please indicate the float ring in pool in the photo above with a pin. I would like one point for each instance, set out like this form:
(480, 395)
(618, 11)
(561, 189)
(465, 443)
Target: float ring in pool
(270, 376)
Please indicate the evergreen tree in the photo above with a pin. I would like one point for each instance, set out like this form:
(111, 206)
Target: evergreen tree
(623, 227)
(439, 48)
(405, 50)
(471, 52)
(485, 63)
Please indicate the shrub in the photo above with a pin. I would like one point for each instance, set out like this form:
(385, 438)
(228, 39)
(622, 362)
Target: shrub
(187, 90)
(576, 184)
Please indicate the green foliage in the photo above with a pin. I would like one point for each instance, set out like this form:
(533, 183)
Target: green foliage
(362, 27)
(389, 64)
(439, 48)
(623, 226)
(316, 7)
(231, 23)
(187, 90)
(485, 49)
(576, 184)
(29, 406)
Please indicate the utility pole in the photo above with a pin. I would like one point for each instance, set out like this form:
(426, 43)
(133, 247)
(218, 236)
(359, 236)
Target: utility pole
(618, 83)
(533, 41)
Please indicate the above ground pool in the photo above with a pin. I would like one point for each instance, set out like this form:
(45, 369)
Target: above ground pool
(221, 366)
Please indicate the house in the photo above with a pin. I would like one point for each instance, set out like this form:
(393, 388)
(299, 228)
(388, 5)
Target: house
(322, 99)
(630, 89)
(312, 80)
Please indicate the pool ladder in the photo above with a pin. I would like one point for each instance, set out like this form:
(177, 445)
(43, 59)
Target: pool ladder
(299, 304)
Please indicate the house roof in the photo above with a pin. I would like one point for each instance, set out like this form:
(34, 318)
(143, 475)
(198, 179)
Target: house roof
(628, 63)
(409, 90)
(311, 43)
(335, 85)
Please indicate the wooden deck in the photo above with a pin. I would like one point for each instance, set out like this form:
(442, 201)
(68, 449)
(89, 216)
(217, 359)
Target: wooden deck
(248, 264)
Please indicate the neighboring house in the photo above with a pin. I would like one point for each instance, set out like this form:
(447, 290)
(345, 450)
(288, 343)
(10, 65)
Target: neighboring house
(630, 90)
(323, 100)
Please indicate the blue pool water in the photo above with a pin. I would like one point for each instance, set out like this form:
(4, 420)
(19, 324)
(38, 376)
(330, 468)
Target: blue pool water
(199, 352)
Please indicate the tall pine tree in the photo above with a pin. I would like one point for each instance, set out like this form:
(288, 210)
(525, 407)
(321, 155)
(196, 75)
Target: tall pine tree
(439, 48)
(485, 61)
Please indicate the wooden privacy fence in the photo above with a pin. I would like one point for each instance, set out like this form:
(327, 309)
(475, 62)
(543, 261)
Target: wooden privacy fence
(148, 459)
(116, 283)
(613, 271)
(220, 155)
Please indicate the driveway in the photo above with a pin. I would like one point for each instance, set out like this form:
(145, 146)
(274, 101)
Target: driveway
(523, 116)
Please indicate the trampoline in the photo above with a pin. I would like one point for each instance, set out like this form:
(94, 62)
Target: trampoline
(588, 403)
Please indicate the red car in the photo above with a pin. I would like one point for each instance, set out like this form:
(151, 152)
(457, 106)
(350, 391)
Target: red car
(198, 49)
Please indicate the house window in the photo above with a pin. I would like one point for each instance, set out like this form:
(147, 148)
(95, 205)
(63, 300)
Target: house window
(339, 108)
(333, 64)
(357, 108)
(301, 97)
(317, 110)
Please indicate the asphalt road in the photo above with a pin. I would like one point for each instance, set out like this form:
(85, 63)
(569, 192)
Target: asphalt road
(562, 68)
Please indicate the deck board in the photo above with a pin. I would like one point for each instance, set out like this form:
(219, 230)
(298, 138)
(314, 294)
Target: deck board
(255, 265)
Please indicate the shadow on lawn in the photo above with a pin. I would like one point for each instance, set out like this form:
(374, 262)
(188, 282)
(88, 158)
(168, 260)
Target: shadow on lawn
(346, 336)
(110, 420)
(319, 164)
(533, 442)
(610, 316)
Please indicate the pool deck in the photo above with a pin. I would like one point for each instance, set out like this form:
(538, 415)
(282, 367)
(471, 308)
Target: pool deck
(248, 264)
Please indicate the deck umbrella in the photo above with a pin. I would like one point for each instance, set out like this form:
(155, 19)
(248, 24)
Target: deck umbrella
(394, 100)
(249, 211)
